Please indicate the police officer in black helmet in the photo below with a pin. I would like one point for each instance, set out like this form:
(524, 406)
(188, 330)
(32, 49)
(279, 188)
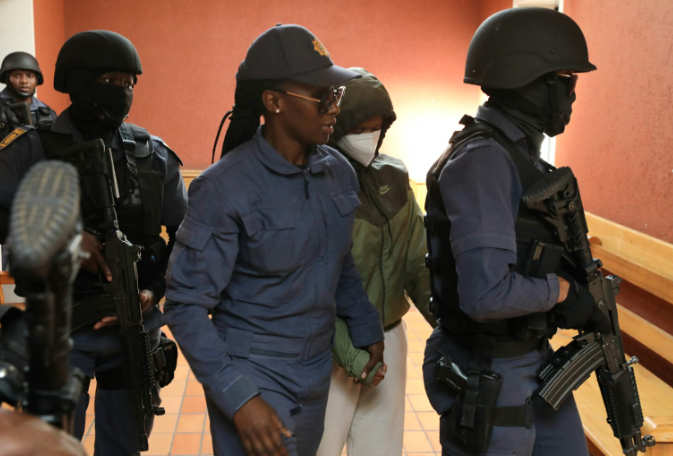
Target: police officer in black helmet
(498, 283)
(21, 73)
(99, 70)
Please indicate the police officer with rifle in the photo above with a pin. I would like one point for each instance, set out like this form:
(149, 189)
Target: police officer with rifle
(509, 259)
(131, 187)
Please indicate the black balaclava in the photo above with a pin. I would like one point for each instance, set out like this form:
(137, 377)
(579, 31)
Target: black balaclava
(543, 106)
(97, 109)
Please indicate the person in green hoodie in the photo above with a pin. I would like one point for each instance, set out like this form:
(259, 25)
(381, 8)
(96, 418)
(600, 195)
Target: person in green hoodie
(389, 248)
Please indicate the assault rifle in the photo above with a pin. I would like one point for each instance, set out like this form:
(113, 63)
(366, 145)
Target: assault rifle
(96, 168)
(557, 196)
(44, 258)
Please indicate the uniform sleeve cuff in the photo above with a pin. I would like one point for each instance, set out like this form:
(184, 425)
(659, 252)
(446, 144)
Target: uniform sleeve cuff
(233, 397)
(366, 335)
(554, 290)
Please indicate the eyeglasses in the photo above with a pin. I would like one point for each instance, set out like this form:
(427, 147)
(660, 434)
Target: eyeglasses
(329, 98)
(573, 82)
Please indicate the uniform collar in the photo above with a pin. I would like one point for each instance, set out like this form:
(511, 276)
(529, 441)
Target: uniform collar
(6, 94)
(319, 158)
(63, 124)
(502, 123)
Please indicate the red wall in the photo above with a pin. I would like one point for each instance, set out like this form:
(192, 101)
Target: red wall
(620, 138)
(190, 52)
(490, 7)
(49, 19)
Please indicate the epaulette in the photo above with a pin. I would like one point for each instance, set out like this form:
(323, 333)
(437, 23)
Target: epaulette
(157, 138)
(10, 138)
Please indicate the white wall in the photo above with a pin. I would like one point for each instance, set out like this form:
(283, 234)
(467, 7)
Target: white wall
(17, 30)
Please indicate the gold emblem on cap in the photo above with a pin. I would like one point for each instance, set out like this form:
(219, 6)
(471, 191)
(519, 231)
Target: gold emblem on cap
(317, 45)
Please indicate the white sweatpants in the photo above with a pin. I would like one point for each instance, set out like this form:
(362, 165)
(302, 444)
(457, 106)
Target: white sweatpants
(369, 419)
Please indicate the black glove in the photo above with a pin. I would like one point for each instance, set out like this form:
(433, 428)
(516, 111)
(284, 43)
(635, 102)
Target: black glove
(579, 309)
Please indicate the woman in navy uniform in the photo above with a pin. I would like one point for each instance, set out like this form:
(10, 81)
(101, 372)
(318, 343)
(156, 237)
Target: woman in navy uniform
(265, 248)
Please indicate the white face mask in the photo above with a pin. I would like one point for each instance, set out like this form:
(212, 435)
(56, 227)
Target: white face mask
(362, 147)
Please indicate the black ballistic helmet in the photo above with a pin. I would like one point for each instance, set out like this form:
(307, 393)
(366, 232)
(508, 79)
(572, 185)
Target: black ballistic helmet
(516, 46)
(20, 61)
(96, 50)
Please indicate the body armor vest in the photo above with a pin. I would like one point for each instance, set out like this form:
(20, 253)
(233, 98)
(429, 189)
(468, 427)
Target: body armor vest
(9, 121)
(538, 250)
(139, 207)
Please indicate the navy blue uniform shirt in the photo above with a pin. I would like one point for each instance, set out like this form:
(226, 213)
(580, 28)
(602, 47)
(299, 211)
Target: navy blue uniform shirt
(481, 190)
(35, 104)
(265, 246)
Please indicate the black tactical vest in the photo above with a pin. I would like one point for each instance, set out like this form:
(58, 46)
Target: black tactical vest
(9, 121)
(538, 250)
(141, 177)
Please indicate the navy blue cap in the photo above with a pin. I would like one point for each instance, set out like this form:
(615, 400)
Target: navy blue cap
(291, 52)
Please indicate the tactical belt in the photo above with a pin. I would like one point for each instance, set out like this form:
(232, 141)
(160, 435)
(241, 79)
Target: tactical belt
(501, 348)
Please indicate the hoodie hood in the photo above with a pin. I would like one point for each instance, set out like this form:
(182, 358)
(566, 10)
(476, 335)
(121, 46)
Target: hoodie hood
(365, 97)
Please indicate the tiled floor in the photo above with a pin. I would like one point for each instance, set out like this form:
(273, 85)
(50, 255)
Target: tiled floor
(185, 430)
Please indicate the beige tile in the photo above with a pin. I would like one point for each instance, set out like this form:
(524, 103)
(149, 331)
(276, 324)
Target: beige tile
(182, 361)
(424, 333)
(160, 444)
(193, 404)
(416, 441)
(88, 428)
(429, 420)
(181, 373)
(416, 358)
(176, 388)
(89, 408)
(88, 444)
(191, 422)
(186, 444)
(411, 423)
(165, 424)
(415, 386)
(433, 437)
(171, 404)
(207, 426)
(207, 444)
(412, 374)
(416, 346)
(92, 387)
(420, 403)
(194, 388)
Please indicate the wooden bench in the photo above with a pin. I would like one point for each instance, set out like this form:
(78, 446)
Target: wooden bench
(647, 263)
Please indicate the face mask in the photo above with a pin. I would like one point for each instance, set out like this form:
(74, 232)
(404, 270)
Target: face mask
(362, 147)
(534, 104)
(108, 104)
(561, 117)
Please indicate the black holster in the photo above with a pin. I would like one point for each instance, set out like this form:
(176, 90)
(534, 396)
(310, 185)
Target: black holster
(470, 421)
